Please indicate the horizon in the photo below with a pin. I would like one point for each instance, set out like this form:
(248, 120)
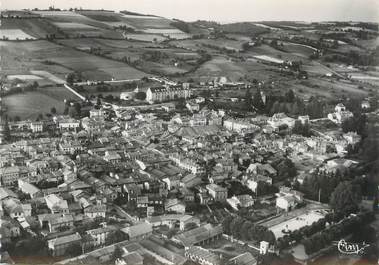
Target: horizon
(224, 11)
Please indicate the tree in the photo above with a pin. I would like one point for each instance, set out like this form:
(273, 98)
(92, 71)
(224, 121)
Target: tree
(53, 110)
(248, 100)
(141, 95)
(70, 78)
(258, 101)
(114, 237)
(345, 198)
(118, 252)
(6, 131)
(73, 250)
(290, 96)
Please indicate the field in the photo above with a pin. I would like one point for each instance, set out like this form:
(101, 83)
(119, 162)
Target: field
(23, 77)
(70, 26)
(14, 34)
(30, 104)
(142, 54)
(235, 70)
(37, 27)
(146, 37)
(25, 57)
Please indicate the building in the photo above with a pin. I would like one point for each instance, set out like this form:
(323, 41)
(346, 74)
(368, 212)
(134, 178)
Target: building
(174, 205)
(36, 126)
(138, 231)
(10, 175)
(130, 258)
(29, 189)
(100, 235)
(240, 125)
(202, 256)
(200, 235)
(66, 123)
(281, 120)
(56, 204)
(217, 192)
(160, 94)
(95, 211)
(58, 246)
(97, 113)
(340, 114)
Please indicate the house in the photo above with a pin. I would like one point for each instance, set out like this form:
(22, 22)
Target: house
(286, 203)
(56, 222)
(199, 235)
(202, 256)
(239, 126)
(253, 182)
(66, 123)
(130, 258)
(288, 198)
(100, 235)
(97, 113)
(281, 120)
(56, 204)
(13, 208)
(10, 175)
(159, 94)
(94, 211)
(138, 231)
(240, 201)
(340, 114)
(58, 246)
(217, 192)
(112, 157)
(174, 205)
(36, 126)
(29, 189)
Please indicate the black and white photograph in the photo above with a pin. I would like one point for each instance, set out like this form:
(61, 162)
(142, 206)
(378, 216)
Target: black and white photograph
(189, 132)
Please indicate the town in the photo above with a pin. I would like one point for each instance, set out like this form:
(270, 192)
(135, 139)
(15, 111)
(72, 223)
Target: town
(181, 168)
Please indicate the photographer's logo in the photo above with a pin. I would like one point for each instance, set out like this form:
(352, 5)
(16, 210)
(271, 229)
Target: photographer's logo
(351, 248)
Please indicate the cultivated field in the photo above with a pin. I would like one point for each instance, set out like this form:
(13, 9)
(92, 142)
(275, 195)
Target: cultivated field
(25, 57)
(14, 34)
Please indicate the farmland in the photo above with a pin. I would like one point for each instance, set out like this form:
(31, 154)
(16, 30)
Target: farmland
(32, 56)
(14, 34)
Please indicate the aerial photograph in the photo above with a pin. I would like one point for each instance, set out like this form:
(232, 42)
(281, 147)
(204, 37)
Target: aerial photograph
(189, 132)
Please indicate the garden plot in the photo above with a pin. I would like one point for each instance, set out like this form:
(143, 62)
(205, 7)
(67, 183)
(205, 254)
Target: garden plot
(24, 77)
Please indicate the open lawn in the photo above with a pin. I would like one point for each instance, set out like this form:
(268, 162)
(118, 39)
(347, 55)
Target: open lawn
(30, 104)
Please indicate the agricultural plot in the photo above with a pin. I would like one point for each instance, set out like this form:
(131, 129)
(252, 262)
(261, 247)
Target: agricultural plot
(33, 56)
(234, 71)
(66, 21)
(24, 77)
(14, 34)
(146, 37)
(147, 22)
(72, 26)
(36, 27)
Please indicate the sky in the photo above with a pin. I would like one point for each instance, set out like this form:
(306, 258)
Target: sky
(225, 10)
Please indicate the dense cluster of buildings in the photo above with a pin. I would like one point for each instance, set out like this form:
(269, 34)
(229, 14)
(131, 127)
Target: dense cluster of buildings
(100, 180)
